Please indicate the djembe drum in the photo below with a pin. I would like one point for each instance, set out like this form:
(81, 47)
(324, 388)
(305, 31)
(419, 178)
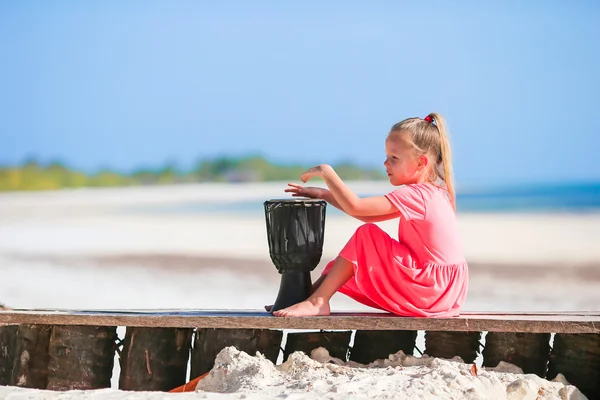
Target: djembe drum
(295, 230)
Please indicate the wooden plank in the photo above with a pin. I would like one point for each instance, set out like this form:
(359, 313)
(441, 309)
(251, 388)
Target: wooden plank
(529, 351)
(154, 359)
(336, 343)
(446, 344)
(577, 357)
(376, 345)
(209, 342)
(30, 368)
(81, 357)
(186, 311)
(468, 321)
(8, 338)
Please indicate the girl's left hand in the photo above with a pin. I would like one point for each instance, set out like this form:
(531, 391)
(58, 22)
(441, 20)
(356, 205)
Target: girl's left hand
(314, 171)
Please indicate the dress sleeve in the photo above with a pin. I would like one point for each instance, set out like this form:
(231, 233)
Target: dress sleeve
(409, 201)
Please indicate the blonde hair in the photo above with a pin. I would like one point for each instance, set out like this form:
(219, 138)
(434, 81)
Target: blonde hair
(430, 136)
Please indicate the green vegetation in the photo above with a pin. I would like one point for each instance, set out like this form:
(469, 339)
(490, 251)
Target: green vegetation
(33, 175)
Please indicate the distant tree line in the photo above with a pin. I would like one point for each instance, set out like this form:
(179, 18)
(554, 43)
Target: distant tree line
(34, 175)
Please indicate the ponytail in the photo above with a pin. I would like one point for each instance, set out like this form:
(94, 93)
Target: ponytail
(445, 156)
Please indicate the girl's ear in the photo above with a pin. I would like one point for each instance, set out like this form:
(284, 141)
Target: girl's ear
(423, 162)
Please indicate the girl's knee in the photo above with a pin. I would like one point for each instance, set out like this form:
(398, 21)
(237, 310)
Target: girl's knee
(370, 231)
(368, 228)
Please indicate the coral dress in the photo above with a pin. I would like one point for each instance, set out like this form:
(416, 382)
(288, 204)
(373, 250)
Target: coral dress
(424, 273)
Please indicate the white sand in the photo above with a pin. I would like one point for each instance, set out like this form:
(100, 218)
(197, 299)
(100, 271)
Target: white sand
(237, 375)
(414, 377)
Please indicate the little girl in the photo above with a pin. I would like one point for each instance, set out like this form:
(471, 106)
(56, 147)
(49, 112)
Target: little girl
(424, 273)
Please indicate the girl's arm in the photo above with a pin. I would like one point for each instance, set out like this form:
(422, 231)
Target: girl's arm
(328, 197)
(347, 200)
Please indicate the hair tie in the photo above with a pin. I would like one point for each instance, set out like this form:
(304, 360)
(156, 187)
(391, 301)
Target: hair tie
(428, 119)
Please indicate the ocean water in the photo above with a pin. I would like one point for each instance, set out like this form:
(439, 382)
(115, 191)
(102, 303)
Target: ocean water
(566, 197)
(533, 198)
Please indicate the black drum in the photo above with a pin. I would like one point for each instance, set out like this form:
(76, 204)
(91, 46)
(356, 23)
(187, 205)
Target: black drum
(295, 231)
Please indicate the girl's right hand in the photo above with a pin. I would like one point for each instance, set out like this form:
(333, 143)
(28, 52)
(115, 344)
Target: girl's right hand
(301, 191)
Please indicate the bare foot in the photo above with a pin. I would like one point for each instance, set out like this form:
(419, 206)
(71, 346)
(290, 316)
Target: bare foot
(307, 308)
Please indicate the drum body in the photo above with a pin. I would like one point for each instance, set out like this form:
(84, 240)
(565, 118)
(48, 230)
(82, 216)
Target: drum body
(295, 233)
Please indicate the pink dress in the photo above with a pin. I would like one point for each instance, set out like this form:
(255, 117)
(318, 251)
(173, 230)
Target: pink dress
(424, 273)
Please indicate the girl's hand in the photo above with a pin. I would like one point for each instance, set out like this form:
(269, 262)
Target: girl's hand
(301, 191)
(314, 171)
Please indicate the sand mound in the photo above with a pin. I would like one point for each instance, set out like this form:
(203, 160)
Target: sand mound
(415, 377)
(237, 375)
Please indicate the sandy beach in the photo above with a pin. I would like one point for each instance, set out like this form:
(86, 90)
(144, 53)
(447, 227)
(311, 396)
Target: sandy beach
(517, 261)
(131, 248)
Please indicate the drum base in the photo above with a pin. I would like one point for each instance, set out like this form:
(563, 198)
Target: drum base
(294, 288)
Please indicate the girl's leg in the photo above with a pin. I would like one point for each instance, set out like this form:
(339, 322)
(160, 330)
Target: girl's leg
(317, 283)
(314, 287)
(318, 302)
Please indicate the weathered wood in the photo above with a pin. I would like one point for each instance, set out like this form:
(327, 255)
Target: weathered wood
(8, 337)
(155, 359)
(375, 345)
(577, 357)
(337, 343)
(209, 342)
(450, 344)
(468, 321)
(30, 368)
(529, 351)
(81, 357)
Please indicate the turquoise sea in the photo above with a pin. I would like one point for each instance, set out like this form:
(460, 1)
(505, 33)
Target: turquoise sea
(565, 197)
(534, 198)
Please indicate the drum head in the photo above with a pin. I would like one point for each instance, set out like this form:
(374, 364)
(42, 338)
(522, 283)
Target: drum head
(297, 201)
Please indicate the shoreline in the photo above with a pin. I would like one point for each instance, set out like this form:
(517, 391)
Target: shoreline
(265, 269)
(111, 198)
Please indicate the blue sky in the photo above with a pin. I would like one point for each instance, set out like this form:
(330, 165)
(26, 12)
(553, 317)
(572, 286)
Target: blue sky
(127, 84)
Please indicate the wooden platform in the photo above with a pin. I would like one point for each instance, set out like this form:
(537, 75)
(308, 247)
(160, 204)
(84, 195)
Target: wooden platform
(568, 322)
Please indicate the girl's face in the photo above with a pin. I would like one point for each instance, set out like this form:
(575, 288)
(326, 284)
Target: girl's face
(402, 165)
